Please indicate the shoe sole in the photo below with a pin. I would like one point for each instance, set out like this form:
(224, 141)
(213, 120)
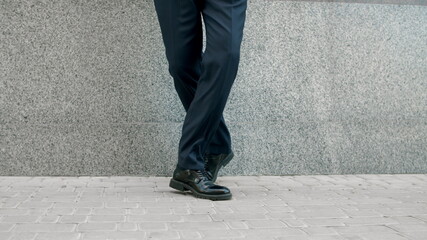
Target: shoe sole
(223, 163)
(183, 187)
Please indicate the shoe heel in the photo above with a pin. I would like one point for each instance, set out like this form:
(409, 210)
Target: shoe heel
(176, 185)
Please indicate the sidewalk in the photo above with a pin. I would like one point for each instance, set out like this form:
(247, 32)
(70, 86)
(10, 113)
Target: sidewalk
(323, 207)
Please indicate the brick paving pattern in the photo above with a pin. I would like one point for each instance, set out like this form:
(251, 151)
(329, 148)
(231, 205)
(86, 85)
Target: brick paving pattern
(322, 207)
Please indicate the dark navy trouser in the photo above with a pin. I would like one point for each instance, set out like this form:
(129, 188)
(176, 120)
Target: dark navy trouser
(203, 80)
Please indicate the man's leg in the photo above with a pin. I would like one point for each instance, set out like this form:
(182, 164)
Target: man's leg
(181, 26)
(224, 22)
(221, 141)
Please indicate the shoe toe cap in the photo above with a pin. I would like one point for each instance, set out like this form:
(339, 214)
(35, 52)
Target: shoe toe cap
(220, 189)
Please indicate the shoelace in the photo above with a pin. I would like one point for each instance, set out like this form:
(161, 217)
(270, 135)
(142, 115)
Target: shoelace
(203, 174)
(206, 170)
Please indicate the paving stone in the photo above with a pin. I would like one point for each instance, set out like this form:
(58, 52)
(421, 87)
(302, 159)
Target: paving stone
(106, 218)
(19, 235)
(223, 234)
(274, 232)
(10, 203)
(280, 215)
(163, 234)
(421, 217)
(49, 218)
(277, 209)
(60, 211)
(352, 236)
(416, 235)
(409, 227)
(198, 225)
(154, 218)
(223, 209)
(73, 219)
(6, 227)
(121, 205)
(125, 226)
(237, 225)
(240, 216)
(402, 211)
(190, 235)
(383, 236)
(362, 213)
(250, 208)
(150, 226)
(137, 211)
(203, 210)
(114, 235)
(79, 205)
(197, 218)
(363, 229)
(331, 212)
(294, 222)
(324, 221)
(56, 236)
(265, 224)
(109, 211)
(408, 220)
(44, 227)
(181, 211)
(158, 210)
(326, 237)
(319, 230)
(83, 211)
(13, 211)
(369, 221)
(87, 227)
(20, 219)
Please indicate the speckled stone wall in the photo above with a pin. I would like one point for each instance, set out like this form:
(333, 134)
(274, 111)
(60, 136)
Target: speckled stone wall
(324, 87)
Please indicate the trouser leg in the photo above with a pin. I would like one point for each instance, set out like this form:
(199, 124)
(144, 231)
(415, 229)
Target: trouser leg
(181, 27)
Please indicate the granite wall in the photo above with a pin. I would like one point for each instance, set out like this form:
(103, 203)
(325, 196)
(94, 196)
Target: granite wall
(324, 87)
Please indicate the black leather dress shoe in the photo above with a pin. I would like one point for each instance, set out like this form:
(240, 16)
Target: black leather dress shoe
(198, 183)
(214, 162)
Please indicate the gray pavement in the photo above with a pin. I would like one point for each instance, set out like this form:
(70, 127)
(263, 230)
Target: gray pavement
(376, 207)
